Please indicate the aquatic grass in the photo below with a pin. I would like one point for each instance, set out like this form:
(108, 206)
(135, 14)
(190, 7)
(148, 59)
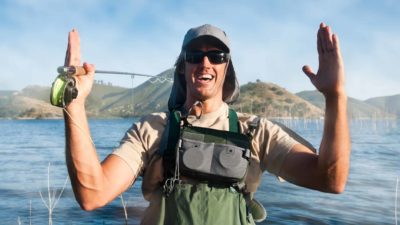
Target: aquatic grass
(52, 196)
(30, 212)
(396, 200)
(124, 205)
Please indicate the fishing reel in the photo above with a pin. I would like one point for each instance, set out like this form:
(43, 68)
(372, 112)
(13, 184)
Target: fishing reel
(63, 89)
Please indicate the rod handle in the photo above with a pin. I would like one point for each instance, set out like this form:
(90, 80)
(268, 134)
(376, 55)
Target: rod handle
(71, 70)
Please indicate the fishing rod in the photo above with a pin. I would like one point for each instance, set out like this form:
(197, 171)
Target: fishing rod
(63, 89)
(79, 70)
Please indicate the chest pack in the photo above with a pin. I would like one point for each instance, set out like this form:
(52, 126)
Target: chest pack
(206, 155)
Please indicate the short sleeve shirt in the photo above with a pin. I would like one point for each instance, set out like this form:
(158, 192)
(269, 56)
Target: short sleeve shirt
(270, 143)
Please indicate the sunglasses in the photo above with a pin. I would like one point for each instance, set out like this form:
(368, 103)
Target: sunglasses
(215, 57)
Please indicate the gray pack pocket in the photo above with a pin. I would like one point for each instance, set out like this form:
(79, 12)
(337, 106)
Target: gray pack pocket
(213, 161)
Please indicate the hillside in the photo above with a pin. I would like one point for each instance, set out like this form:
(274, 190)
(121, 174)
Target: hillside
(390, 104)
(264, 99)
(356, 108)
(270, 100)
(149, 97)
(23, 107)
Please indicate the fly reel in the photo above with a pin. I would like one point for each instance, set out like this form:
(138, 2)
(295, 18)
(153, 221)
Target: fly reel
(63, 89)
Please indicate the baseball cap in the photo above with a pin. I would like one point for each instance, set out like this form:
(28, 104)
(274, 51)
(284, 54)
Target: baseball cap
(206, 31)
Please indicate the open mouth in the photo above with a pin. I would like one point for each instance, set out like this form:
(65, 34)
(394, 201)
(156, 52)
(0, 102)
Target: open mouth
(205, 77)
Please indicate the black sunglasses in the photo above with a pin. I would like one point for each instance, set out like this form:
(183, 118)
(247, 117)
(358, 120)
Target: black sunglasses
(215, 57)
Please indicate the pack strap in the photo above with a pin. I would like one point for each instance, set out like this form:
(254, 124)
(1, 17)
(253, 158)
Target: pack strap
(174, 121)
(233, 121)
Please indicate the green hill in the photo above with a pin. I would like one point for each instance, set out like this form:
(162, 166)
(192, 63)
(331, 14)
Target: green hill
(356, 108)
(264, 99)
(270, 100)
(19, 106)
(113, 101)
(390, 104)
(36, 92)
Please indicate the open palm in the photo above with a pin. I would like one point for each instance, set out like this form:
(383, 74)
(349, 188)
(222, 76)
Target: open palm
(329, 79)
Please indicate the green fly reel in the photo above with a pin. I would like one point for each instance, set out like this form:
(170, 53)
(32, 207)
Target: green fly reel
(63, 89)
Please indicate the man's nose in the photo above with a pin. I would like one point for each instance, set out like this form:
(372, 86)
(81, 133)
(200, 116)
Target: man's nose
(206, 61)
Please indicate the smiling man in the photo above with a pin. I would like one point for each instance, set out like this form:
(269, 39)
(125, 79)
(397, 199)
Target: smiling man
(201, 161)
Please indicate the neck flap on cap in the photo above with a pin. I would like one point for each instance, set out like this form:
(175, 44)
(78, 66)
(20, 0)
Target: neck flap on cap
(231, 85)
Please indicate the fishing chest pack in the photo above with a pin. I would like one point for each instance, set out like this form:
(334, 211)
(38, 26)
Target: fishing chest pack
(208, 155)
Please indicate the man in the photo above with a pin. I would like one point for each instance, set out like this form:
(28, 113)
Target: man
(204, 84)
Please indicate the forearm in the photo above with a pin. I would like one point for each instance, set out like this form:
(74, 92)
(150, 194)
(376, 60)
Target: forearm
(83, 164)
(334, 154)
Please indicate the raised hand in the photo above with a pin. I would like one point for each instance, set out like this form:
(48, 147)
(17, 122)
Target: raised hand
(330, 77)
(84, 82)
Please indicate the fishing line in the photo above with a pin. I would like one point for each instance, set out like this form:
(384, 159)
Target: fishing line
(80, 128)
(77, 124)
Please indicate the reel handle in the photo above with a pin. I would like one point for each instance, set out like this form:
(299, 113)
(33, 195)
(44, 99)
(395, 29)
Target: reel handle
(71, 70)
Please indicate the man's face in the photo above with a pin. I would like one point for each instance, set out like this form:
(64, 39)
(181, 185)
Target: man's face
(204, 80)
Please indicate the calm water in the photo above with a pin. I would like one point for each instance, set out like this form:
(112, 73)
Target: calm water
(27, 148)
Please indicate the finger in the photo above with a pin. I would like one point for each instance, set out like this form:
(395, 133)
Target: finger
(323, 33)
(75, 48)
(321, 39)
(328, 38)
(325, 36)
(309, 72)
(319, 42)
(73, 51)
(335, 42)
(89, 68)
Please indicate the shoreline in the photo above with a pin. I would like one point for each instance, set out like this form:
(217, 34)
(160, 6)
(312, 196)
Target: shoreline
(392, 118)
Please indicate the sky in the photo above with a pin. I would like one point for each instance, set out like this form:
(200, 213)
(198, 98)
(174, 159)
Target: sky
(271, 39)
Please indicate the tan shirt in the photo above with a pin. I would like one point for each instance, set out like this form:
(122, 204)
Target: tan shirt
(270, 144)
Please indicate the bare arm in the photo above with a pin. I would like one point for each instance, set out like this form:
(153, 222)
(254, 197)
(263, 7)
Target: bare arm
(327, 171)
(94, 183)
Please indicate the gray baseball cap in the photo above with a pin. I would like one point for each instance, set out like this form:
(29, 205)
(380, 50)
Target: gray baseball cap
(207, 31)
(213, 35)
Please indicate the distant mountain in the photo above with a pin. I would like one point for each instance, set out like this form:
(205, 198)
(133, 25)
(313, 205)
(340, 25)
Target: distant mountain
(104, 101)
(148, 97)
(271, 100)
(390, 104)
(36, 92)
(264, 99)
(356, 108)
(14, 104)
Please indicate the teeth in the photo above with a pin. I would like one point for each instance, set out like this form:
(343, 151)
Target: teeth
(206, 77)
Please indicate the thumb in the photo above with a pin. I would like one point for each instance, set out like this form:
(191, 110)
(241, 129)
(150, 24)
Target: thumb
(89, 68)
(309, 72)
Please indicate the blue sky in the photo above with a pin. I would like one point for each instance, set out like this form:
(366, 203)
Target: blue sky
(271, 39)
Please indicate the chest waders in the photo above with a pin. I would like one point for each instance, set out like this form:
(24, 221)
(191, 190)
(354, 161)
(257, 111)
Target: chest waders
(218, 161)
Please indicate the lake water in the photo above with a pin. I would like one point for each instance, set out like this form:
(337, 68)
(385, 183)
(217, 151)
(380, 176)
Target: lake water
(27, 147)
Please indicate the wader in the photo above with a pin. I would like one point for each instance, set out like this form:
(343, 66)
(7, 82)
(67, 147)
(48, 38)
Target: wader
(218, 161)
